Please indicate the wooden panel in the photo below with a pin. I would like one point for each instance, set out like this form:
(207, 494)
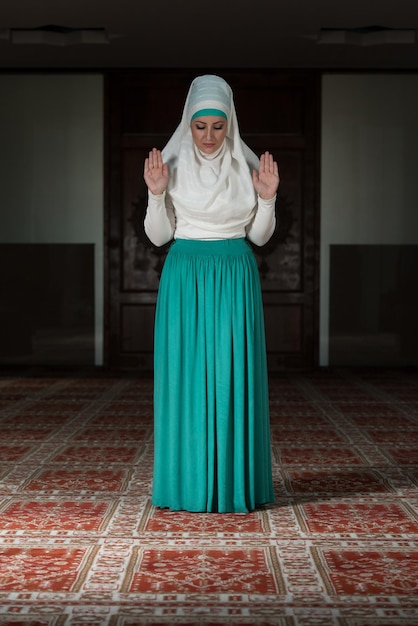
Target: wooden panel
(269, 109)
(137, 336)
(280, 261)
(137, 322)
(141, 261)
(47, 306)
(284, 326)
(152, 103)
(373, 305)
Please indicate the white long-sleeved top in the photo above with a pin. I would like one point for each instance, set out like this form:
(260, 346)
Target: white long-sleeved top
(163, 223)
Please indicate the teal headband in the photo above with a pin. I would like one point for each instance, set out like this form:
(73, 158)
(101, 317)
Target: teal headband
(205, 112)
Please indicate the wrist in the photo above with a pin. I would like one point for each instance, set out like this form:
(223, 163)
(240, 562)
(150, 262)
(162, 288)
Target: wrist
(267, 197)
(157, 192)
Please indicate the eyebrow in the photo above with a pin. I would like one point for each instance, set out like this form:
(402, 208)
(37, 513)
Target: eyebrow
(197, 121)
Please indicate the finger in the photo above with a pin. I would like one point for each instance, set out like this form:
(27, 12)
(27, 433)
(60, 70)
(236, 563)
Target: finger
(266, 162)
(157, 158)
(152, 158)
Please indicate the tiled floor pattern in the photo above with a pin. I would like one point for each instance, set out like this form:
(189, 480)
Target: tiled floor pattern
(81, 545)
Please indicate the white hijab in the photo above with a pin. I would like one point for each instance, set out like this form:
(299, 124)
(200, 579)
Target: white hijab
(214, 188)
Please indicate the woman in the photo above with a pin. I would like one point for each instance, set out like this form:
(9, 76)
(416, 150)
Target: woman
(210, 193)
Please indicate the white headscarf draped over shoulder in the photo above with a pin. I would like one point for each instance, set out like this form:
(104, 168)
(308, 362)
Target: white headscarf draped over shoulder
(214, 188)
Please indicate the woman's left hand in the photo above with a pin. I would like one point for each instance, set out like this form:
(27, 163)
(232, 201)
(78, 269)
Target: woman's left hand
(266, 180)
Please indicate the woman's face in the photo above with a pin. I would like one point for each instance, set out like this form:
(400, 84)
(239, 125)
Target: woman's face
(209, 132)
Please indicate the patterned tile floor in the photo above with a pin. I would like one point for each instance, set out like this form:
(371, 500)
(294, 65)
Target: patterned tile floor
(81, 545)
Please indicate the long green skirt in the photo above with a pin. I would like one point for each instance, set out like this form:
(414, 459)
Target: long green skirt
(211, 412)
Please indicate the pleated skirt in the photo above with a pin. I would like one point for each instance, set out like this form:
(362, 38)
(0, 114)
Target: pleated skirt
(211, 407)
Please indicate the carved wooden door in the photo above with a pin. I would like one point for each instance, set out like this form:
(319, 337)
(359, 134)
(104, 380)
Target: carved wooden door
(276, 111)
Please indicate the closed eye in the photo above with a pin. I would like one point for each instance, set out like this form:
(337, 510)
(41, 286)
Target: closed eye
(214, 128)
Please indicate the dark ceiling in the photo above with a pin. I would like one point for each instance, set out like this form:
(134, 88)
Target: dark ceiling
(219, 33)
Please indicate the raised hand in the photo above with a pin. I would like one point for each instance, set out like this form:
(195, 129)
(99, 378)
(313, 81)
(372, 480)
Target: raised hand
(156, 172)
(266, 180)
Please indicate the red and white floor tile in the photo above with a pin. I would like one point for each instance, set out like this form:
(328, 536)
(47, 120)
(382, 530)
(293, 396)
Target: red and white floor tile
(81, 545)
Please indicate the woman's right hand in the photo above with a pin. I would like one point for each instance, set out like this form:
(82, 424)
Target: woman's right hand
(156, 172)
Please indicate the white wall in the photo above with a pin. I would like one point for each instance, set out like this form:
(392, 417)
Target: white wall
(369, 167)
(51, 166)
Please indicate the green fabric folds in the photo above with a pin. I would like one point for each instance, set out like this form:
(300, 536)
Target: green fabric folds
(211, 413)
